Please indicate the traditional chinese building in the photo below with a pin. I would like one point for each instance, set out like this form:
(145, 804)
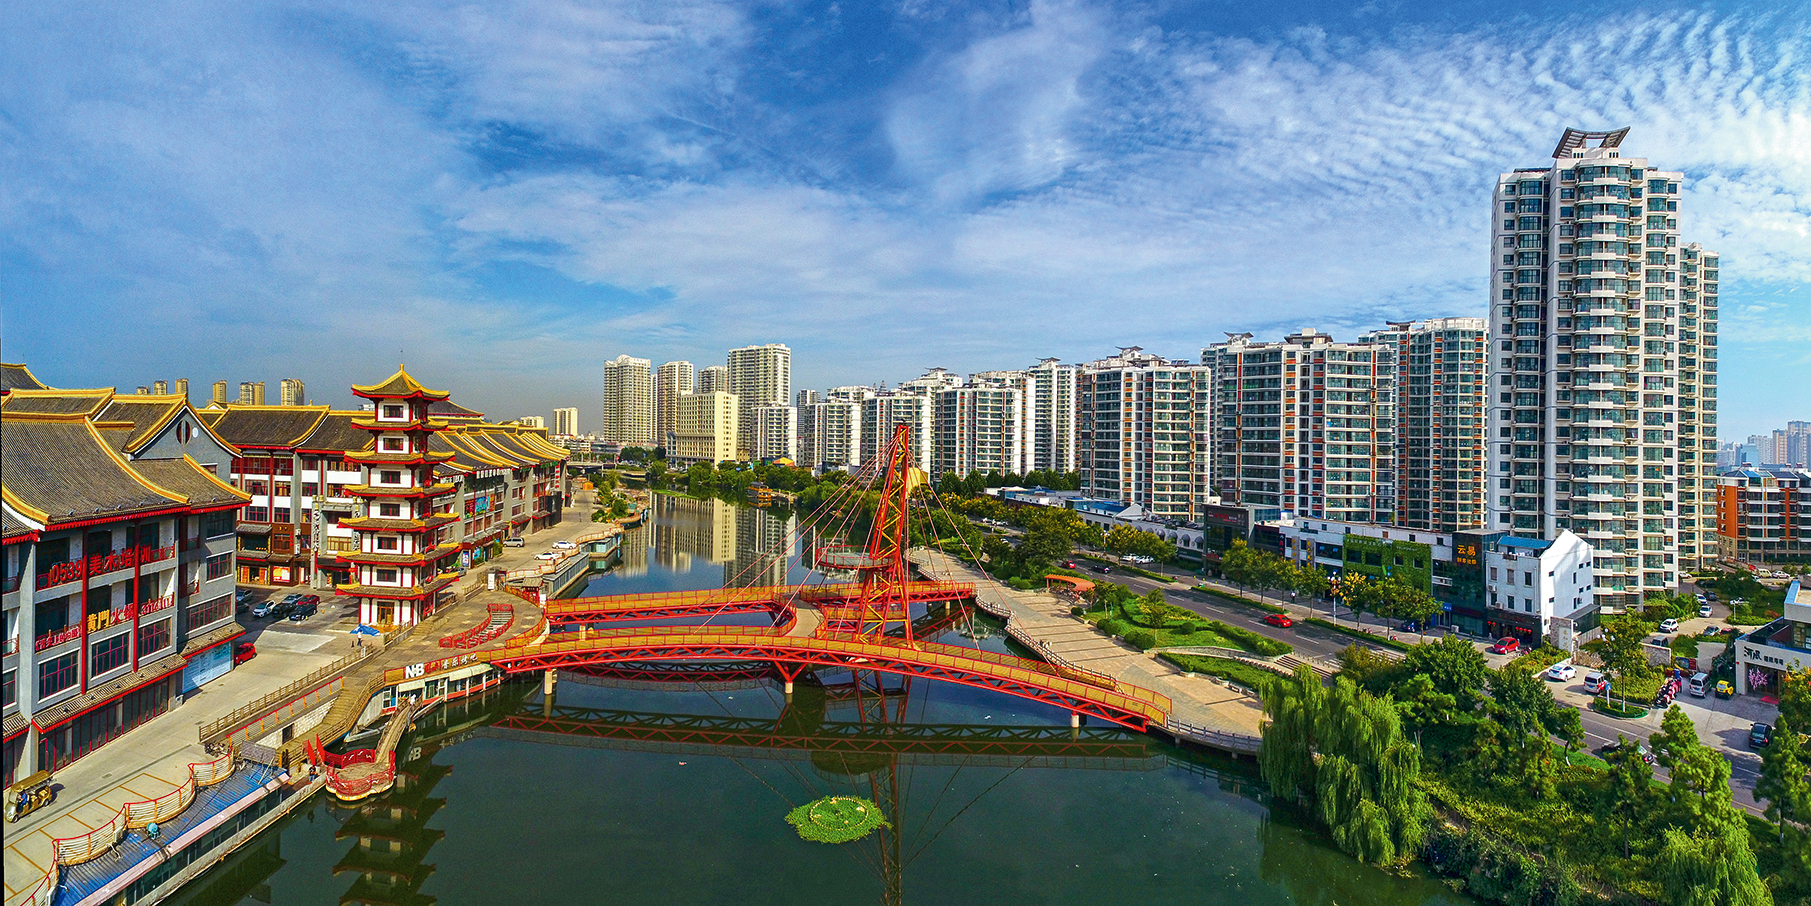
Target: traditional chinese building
(405, 554)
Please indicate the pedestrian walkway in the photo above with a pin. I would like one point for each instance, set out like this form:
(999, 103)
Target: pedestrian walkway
(1044, 623)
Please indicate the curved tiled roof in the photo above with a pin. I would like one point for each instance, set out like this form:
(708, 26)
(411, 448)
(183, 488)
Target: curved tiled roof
(186, 477)
(398, 385)
(11, 526)
(267, 426)
(452, 410)
(18, 377)
(336, 433)
(58, 402)
(144, 413)
(59, 469)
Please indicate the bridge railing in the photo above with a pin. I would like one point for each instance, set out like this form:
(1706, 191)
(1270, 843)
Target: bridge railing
(543, 567)
(1219, 739)
(282, 699)
(139, 814)
(499, 616)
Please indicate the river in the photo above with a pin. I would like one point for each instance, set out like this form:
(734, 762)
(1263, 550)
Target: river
(627, 791)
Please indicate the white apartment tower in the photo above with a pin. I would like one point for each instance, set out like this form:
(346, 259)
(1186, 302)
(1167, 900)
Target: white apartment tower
(776, 433)
(712, 377)
(977, 428)
(830, 434)
(879, 413)
(566, 422)
(1050, 389)
(1307, 425)
(1440, 367)
(1603, 363)
(628, 402)
(671, 381)
(1144, 432)
(1016, 452)
(759, 376)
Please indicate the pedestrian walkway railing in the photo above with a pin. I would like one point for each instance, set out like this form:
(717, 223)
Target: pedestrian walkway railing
(500, 615)
(294, 699)
(136, 815)
(543, 567)
(1220, 739)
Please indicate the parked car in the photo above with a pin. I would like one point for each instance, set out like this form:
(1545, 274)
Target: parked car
(1561, 672)
(513, 541)
(1282, 620)
(263, 609)
(546, 555)
(244, 651)
(1725, 689)
(1669, 625)
(1759, 736)
(1704, 609)
(563, 545)
(1138, 558)
(1506, 645)
(304, 610)
(1595, 683)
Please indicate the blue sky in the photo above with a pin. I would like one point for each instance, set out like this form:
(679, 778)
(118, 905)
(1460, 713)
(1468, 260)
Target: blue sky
(508, 194)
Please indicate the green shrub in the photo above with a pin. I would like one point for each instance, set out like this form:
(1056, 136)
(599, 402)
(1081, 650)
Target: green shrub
(1262, 644)
(1112, 626)
(1538, 659)
(1142, 639)
(1244, 674)
(1075, 611)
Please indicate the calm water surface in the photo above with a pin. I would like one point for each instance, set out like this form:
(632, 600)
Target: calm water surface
(625, 791)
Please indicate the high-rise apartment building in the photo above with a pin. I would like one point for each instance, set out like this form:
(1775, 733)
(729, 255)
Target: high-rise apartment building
(291, 393)
(1144, 432)
(1603, 365)
(251, 393)
(629, 402)
(776, 433)
(1016, 453)
(566, 422)
(933, 381)
(671, 381)
(978, 428)
(706, 429)
(712, 377)
(161, 388)
(879, 413)
(219, 397)
(182, 388)
(830, 434)
(853, 393)
(533, 421)
(805, 398)
(1439, 421)
(1307, 424)
(1050, 406)
(759, 376)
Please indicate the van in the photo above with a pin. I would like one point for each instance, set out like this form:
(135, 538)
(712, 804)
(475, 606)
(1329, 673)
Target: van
(514, 542)
(1700, 684)
(1594, 683)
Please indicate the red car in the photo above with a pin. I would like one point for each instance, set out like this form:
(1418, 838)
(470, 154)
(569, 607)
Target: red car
(1070, 564)
(1506, 646)
(1279, 619)
(243, 652)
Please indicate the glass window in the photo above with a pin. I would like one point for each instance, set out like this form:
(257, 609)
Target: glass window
(108, 654)
(154, 637)
(56, 674)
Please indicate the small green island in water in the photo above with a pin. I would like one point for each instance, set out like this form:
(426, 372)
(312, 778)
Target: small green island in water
(836, 819)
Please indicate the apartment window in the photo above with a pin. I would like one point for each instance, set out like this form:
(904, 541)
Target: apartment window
(108, 654)
(390, 477)
(386, 543)
(154, 637)
(210, 611)
(257, 514)
(280, 514)
(220, 566)
(213, 525)
(310, 488)
(392, 412)
(10, 689)
(56, 674)
(386, 577)
(393, 444)
(389, 509)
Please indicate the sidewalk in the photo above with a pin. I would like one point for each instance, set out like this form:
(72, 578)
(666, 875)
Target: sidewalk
(152, 759)
(1195, 700)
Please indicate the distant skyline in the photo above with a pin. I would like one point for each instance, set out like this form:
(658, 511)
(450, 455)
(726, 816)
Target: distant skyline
(506, 196)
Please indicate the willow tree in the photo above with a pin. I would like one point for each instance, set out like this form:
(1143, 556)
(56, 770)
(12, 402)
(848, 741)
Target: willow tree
(1344, 749)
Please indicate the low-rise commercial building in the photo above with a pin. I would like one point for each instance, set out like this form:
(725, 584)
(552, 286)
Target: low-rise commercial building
(1766, 653)
(1530, 584)
(118, 554)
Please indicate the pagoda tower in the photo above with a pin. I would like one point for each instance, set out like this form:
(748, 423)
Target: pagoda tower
(402, 538)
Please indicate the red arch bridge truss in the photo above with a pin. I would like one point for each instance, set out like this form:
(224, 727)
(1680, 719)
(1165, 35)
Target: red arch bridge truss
(1123, 704)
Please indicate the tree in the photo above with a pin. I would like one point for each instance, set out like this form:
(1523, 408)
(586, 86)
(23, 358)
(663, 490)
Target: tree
(1404, 601)
(1620, 648)
(1310, 581)
(1158, 613)
(1124, 539)
(1782, 782)
(1629, 793)
(1713, 865)
(1422, 706)
(1795, 697)
(1344, 748)
(1456, 667)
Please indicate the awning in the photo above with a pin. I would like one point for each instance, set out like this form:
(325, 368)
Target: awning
(254, 528)
(70, 708)
(212, 638)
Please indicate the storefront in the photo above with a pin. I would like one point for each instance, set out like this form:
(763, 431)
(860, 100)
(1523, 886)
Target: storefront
(81, 732)
(206, 666)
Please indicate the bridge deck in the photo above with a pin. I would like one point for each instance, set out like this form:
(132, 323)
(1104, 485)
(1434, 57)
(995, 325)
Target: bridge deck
(734, 600)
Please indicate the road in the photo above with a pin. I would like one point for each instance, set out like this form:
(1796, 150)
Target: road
(1722, 725)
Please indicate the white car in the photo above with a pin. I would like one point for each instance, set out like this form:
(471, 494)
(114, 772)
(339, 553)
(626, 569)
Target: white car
(1669, 625)
(563, 545)
(1704, 609)
(546, 555)
(1561, 672)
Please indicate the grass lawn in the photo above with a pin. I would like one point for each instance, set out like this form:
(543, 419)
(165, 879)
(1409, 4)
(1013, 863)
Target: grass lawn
(1190, 632)
(1244, 674)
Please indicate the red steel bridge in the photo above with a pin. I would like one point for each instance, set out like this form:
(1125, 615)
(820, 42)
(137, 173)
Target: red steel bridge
(859, 626)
